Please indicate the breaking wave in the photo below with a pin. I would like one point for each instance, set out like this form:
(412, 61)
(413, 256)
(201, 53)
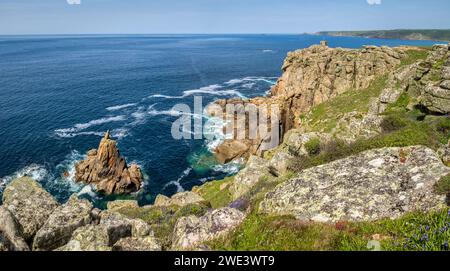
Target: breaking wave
(177, 183)
(119, 107)
(34, 171)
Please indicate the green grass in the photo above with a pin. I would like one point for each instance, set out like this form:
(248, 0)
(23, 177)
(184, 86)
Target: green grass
(313, 146)
(414, 55)
(401, 130)
(415, 231)
(212, 192)
(325, 116)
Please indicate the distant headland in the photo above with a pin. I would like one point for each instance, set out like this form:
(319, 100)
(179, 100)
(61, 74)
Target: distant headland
(404, 34)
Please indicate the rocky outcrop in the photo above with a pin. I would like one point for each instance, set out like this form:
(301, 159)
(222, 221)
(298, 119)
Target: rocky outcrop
(436, 86)
(249, 176)
(384, 183)
(180, 199)
(10, 232)
(108, 235)
(191, 232)
(122, 204)
(59, 227)
(108, 171)
(29, 203)
(310, 77)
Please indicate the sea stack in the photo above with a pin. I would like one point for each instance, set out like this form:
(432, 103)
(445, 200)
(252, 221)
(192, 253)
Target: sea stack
(108, 171)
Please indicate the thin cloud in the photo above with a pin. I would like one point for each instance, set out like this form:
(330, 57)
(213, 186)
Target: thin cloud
(374, 2)
(74, 2)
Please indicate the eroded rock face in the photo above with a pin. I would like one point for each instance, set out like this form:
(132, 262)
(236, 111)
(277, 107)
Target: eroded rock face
(59, 227)
(30, 204)
(190, 232)
(310, 77)
(384, 183)
(180, 199)
(122, 204)
(10, 234)
(436, 93)
(108, 171)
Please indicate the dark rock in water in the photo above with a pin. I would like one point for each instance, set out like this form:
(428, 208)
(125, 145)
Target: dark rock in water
(108, 170)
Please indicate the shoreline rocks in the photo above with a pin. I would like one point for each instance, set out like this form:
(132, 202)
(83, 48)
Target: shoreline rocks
(108, 171)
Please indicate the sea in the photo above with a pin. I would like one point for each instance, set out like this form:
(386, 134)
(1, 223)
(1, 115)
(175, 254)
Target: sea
(60, 94)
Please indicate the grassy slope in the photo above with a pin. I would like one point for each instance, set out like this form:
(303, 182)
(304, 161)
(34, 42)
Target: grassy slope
(429, 34)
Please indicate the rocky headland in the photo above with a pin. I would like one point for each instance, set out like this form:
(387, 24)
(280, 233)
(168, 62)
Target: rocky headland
(365, 156)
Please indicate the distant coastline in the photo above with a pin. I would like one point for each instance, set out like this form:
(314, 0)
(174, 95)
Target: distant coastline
(404, 34)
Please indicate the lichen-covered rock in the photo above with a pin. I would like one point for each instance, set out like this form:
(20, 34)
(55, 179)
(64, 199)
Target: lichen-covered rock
(255, 169)
(148, 243)
(190, 232)
(120, 226)
(383, 183)
(10, 234)
(122, 204)
(88, 238)
(59, 227)
(108, 170)
(30, 204)
(180, 199)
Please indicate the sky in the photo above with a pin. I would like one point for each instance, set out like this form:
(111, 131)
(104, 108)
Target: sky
(217, 16)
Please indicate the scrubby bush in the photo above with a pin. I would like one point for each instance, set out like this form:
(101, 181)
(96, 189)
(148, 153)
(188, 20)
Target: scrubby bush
(313, 146)
(443, 185)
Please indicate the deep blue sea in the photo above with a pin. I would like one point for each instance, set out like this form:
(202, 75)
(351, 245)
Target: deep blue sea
(59, 94)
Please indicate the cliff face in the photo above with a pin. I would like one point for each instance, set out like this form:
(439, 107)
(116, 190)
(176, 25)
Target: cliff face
(310, 77)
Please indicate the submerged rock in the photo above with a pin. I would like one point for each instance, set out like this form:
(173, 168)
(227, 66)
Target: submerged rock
(30, 204)
(384, 183)
(190, 232)
(108, 170)
(10, 234)
(59, 227)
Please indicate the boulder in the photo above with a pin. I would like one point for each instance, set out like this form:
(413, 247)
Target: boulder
(180, 199)
(190, 232)
(248, 177)
(376, 184)
(436, 99)
(59, 227)
(88, 238)
(30, 204)
(230, 150)
(148, 243)
(10, 232)
(119, 226)
(108, 170)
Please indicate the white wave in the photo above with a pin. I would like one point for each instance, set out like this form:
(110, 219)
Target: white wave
(71, 135)
(230, 168)
(251, 79)
(34, 171)
(118, 107)
(118, 133)
(67, 172)
(268, 51)
(88, 190)
(214, 90)
(249, 85)
(83, 126)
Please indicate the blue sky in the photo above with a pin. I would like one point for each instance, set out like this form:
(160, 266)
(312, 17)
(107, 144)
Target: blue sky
(217, 16)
